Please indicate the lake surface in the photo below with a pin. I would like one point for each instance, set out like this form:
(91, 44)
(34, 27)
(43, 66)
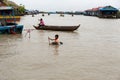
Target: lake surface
(90, 53)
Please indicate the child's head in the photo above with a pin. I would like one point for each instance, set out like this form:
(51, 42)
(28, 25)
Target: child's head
(56, 36)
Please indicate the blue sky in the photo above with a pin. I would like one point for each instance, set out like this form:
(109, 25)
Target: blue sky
(66, 5)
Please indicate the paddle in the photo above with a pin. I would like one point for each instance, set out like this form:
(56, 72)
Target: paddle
(61, 42)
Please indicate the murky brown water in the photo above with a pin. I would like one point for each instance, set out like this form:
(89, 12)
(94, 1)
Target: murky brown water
(90, 53)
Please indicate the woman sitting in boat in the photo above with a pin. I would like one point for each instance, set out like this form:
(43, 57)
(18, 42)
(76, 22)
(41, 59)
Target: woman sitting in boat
(56, 40)
(41, 22)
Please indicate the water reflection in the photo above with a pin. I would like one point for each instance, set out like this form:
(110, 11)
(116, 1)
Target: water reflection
(88, 53)
(8, 54)
(8, 44)
(56, 49)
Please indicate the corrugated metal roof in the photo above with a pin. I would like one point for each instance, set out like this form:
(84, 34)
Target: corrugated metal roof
(108, 8)
(6, 8)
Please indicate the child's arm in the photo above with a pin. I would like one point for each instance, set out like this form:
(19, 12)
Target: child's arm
(50, 38)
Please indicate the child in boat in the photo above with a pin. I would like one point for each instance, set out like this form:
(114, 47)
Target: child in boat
(41, 22)
(56, 40)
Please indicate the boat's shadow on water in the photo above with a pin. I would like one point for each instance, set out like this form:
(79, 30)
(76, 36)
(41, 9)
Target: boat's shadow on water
(50, 31)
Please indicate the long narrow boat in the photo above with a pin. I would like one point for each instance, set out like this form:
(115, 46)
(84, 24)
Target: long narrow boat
(57, 28)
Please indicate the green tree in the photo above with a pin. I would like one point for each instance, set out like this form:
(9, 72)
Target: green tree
(21, 9)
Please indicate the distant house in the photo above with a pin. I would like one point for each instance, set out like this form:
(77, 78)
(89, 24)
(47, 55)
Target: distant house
(92, 12)
(108, 12)
(102, 12)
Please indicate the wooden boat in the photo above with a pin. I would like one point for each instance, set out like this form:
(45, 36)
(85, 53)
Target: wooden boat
(57, 28)
(11, 28)
(8, 21)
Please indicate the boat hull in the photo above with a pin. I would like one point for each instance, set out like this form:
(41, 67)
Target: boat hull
(11, 29)
(57, 28)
